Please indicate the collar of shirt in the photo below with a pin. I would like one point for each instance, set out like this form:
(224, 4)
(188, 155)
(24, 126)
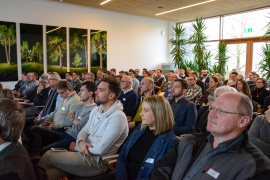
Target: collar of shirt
(127, 90)
(4, 145)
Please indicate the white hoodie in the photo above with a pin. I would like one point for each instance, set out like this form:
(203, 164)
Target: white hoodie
(105, 131)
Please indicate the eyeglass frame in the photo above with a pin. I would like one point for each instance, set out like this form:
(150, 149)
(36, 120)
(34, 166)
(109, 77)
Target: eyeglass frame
(211, 108)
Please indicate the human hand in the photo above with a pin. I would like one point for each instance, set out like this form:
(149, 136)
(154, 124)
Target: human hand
(38, 118)
(83, 147)
(72, 146)
(26, 101)
(131, 125)
(40, 87)
(71, 115)
(75, 121)
(51, 127)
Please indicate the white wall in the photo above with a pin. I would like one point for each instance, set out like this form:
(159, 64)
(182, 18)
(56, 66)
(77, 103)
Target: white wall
(133, 41)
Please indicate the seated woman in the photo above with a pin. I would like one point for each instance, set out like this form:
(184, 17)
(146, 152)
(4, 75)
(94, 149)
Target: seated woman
(260, 92)
(242, 86)
(152, 139)
(259, 133)
(208, 97)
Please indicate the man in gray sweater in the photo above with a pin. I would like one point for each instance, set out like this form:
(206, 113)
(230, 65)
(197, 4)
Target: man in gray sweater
(103, 134)
(75, 120)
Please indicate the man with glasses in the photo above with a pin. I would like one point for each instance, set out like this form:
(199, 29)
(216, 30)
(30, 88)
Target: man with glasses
(128, 96)
(252, 86)
(224, 153)
(90, 77)
(38, 134)
(194, 92)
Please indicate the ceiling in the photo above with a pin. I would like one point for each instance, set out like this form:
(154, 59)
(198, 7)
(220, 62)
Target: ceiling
(149, 8)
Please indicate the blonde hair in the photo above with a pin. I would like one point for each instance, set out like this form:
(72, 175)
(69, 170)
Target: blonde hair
(163, 114)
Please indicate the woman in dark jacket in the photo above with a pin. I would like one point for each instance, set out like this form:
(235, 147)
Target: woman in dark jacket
(152, 139)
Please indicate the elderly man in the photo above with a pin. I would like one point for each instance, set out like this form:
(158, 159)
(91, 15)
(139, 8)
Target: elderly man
(225, 153)
(89, 77)
(14, 161)
(128, 96)
(147, 85)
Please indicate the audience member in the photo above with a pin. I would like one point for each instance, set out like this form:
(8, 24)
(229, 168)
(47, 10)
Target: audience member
(217, 75)
(99, 76)
(165, 84)
(90, 77)
(187, 71)
(212, 155)
(30, 86)
(20, 83)
(76, 85)
(168, 93)
(83, 76)
(106, 74)
(135, 82)
(259, 133)
(208, 96)
(69, 77)
(242, 86)
(75, 120)
(15, 163)
(40, 135)
(194, 92)
(137, 75)
(147, 74)
(102, 135)
(158, 80)
(182, 74)
(232, 81)
(204, 77)
(128, 96)
(252, 86)
(146, 86)
(198, 81)
(113, 72)
(184, 111)
(260, 92)
(148, 142)
(239, 77)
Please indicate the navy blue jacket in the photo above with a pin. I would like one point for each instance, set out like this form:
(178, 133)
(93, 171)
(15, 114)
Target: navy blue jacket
(185, 116)
(129, 101)
(163, 144)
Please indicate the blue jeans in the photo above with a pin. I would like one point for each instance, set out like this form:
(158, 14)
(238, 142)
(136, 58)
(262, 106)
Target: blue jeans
(63, 143)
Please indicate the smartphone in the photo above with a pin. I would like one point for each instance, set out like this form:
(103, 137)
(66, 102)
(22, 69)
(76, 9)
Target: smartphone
(58, 149)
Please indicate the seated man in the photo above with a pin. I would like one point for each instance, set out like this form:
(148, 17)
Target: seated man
(29, 87)
(259, 133)
(14, 161)
(135, 81)
(76, 84)
(184, 111)
(225, 153)
(102, 135)
(76, 120)
(128, 96)
(194, 92)
(42, 135)
(146, 86)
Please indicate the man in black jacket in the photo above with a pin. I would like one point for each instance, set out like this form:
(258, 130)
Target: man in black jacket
(225, 153)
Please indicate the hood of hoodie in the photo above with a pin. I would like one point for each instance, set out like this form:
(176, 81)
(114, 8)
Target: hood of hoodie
(116, 106)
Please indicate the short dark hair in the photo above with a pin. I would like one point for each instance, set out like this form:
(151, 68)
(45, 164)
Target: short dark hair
(77, 72)
(234, 73)
(126, 73)
(122, 72)
(107, 72)
(131, 70)
(90, 86)
(114, 86)
(148, 73)
(63, 84)
(256, 75)
(35, 74)
(160, 70)
(12, 120)
(69, 73)
(183, 82)
(113, 69)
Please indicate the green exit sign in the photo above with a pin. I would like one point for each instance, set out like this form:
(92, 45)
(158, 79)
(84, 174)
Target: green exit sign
(248, 30)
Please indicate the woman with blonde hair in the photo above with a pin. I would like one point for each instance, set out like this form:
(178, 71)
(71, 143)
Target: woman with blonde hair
(149, 142)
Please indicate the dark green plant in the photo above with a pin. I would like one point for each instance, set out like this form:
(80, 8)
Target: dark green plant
(222, 58)
(264, 64)
(190, 64)
(178, 43)
(99, 44)
(198, 38)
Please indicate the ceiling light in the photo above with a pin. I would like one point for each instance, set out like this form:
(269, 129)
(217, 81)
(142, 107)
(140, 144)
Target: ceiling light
(185, 7)
(105, 2)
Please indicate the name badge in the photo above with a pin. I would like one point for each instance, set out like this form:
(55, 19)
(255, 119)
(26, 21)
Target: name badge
(79, 117)
(63, 108)
(213, 173)
(150, 160)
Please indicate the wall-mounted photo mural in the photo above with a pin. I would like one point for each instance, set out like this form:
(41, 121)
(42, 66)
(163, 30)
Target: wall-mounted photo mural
(98, 48)
(56, 50)
(31, 48)
(78, 50)
(8, 52)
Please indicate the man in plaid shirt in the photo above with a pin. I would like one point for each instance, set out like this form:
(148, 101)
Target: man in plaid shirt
(194, 92)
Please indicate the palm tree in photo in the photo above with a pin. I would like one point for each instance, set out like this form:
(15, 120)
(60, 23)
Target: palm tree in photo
(57, 48)
(24, 50)
(7, 39)
(99, 44)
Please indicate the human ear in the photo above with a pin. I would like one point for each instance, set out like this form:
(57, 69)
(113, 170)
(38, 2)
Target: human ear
(244, 121)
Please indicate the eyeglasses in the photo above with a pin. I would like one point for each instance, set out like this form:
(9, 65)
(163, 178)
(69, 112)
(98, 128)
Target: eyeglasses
(51, 79)
(259, 82)
(61, 92)
(212, 108)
